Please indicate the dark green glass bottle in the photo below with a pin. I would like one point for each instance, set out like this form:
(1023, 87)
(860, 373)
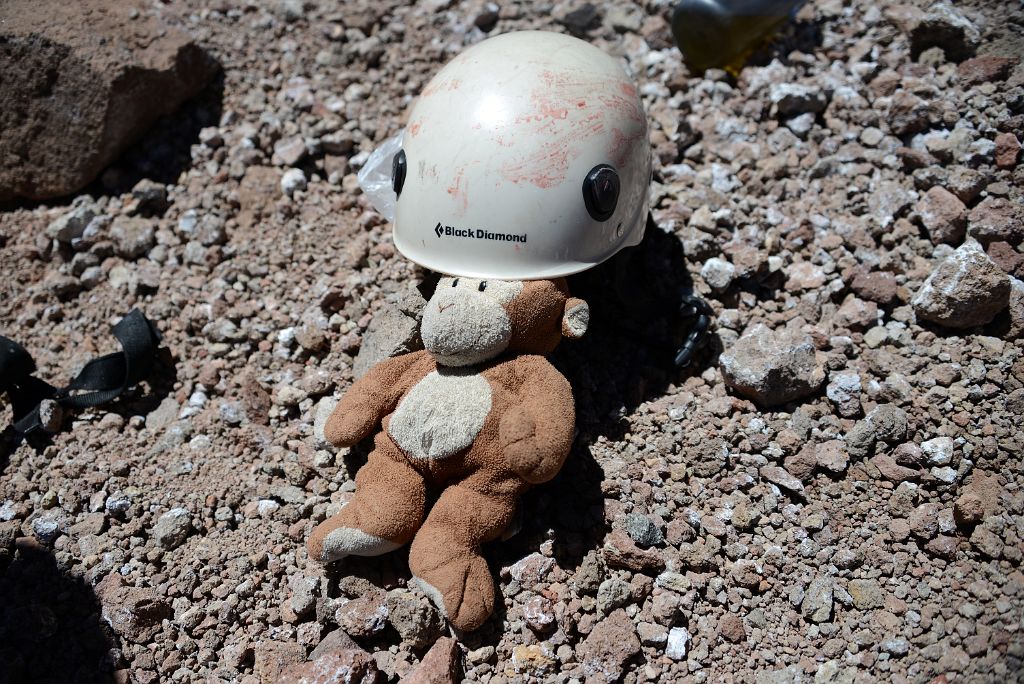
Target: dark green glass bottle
(723, 33)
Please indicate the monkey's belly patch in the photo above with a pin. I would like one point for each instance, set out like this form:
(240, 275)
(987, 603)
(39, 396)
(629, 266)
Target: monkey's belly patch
(442, 414)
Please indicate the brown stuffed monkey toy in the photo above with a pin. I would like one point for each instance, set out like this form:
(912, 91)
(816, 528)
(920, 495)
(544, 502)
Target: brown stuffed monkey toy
(479, 415)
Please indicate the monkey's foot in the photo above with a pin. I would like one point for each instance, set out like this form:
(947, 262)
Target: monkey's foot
(462, 589)
(331, 541)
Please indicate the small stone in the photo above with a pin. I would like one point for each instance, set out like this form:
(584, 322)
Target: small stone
(1007, 150)
(942, 26)
(732, 629)
(133, 236)
(610, 645)
(938, 451)
(390, 333)
(51, 416)
(942, 546)
(782, 478)
(134, 613)
(353, 666)
(965, 290)
(539, 613)
(968, 510)
(678, 644)
(293, 180)
(987, 542)
(652, 634)
(535, 659)
(866, 594)
(619, 551)
(908, 454)
(172, 528)
(642, 530)
(151, 196)
(871, 136)
(895, 647)
(985, 68)
(745, 573)
(861, 439)
(944, 216)
(289, 151)
(832, 456)
(613, 593)
(72, 225)
(892, 471)
(772, 367)
(305, 591)
(718, 273)
(817, 602)
(791, 99)
(996, 219)
(843, 391)
(363, 616)
(877, 286)
(439, 666)
(414, 617)
(924, 521)
(802, 464)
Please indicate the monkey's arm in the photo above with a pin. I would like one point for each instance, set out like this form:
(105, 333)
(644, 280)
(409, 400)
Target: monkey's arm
(536, 434)
(372, 397)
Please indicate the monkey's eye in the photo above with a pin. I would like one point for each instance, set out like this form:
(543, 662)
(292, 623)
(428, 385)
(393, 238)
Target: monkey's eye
(601, 192)
(482, 286)
(398, 172)
(455, 283)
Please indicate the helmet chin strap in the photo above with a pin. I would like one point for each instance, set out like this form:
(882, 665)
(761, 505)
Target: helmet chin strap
(102, 380)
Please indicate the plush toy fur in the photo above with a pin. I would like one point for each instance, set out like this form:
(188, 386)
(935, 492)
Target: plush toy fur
(479, 415)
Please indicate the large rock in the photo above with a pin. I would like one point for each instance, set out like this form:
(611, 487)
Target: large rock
(773, 367)
(964, 290)
(391, 332)
(81, 81)
(942, 25)
(135, 613)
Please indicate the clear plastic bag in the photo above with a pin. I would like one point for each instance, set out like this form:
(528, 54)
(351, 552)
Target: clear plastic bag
(375, 176)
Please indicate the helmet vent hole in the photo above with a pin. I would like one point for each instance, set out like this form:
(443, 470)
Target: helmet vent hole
(398, 167)
(601, 192)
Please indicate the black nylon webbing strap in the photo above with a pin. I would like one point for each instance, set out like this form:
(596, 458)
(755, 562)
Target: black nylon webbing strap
(101, 380)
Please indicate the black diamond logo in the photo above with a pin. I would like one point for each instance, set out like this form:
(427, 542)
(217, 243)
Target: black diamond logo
(438, 230)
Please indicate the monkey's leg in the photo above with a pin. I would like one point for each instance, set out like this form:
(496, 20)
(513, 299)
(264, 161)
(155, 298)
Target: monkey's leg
(384, 513)
(445, 556)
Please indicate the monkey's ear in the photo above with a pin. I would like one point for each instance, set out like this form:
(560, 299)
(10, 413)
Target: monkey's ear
(575, 319)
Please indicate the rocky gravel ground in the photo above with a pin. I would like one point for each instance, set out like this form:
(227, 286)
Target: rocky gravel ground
(832, 493)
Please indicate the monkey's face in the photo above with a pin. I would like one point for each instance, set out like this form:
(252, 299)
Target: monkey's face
(467, 320)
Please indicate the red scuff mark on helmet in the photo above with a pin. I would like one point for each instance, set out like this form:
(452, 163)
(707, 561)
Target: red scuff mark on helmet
(560, 117)
(456, 187)
(459, 190)
(618, 150)
(627, 107)
(414, 129)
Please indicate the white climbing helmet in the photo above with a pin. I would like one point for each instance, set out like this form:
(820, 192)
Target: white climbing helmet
(525, 157)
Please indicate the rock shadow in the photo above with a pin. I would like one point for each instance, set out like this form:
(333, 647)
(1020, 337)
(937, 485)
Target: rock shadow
(164, 151)
(51, 629)
(796, 35)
